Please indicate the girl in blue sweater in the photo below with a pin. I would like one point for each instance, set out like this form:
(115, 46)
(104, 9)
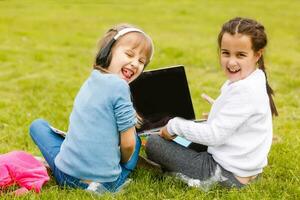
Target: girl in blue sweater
(101, 146)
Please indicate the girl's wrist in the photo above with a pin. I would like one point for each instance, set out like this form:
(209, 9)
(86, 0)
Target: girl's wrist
(169, 129)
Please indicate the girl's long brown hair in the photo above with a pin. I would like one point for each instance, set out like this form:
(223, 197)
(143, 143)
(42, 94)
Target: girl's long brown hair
(256, 32)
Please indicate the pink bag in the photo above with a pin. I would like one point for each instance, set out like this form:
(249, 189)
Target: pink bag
(21, 168)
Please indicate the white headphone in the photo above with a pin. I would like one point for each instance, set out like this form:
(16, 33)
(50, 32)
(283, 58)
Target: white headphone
(103, 54)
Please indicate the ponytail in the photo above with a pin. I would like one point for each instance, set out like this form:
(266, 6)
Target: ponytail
(270, 91)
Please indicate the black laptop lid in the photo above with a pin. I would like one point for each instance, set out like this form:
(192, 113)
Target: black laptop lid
(161, 94)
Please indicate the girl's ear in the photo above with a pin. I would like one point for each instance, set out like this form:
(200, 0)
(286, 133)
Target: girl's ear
(258, 54)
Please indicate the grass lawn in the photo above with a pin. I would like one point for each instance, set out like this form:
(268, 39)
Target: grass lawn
(47, 49)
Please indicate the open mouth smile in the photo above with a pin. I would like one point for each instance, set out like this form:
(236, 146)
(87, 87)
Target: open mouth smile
(233, 69)
(127, 73)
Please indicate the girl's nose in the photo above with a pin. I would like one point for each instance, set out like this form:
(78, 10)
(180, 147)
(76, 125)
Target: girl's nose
(135, 63)
(232, 62)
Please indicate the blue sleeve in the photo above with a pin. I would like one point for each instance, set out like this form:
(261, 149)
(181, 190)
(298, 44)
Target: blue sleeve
(123, 108)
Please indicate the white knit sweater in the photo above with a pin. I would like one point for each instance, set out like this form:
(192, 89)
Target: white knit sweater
(238, 131)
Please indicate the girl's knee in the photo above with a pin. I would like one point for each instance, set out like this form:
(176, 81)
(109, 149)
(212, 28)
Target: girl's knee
(153, 142)
(36, 126)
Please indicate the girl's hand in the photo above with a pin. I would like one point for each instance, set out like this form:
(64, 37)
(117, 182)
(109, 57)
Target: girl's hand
(127, 144)
(210, 101)
(207, 98)
(165, 134)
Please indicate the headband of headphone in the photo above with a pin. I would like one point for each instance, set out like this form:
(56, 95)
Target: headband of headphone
(102, 58)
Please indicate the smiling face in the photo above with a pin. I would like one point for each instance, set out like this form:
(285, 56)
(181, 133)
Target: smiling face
(129, 56)
(237, 57)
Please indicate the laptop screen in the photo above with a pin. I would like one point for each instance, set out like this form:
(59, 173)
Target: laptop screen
(161, 94)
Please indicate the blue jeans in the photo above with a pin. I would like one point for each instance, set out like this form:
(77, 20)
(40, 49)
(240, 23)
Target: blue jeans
(49, 144)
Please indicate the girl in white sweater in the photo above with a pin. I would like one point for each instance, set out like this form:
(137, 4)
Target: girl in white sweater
(238, 131)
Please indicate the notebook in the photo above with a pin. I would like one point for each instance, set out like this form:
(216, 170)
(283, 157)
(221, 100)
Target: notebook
(159, 95)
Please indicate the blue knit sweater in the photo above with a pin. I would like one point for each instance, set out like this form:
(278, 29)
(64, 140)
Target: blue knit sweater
(102, 110)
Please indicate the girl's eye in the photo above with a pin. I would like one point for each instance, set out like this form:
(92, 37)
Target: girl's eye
(129, 54)
(241, 55)
(225, 53)
(142, 62)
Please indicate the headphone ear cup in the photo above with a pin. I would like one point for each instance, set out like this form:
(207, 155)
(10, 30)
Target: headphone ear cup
(102, 58)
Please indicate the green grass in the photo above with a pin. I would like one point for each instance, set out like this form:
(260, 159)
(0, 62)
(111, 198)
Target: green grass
(46, 52)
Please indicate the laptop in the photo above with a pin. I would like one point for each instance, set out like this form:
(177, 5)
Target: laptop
(159, 95)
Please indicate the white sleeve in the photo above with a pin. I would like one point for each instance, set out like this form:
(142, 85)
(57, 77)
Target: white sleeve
(236, 108)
